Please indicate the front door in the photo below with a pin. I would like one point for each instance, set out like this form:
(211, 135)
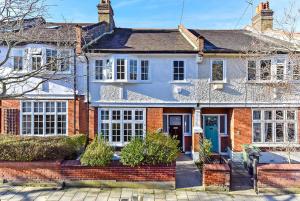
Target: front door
(211, 131)
(175, 128)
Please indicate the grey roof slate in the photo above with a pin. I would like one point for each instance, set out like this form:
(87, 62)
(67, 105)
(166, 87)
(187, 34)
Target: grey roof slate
(143, 40)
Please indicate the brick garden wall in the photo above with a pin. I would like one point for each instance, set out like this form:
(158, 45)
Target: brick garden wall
(73, 171)
(216, 177)
(278, 176)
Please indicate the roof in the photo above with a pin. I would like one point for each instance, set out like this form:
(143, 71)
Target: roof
(126, 40)
(236, 41)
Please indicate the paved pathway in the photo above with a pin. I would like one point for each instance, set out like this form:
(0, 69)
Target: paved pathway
(187, 173)
(94, 194)
(241, 180)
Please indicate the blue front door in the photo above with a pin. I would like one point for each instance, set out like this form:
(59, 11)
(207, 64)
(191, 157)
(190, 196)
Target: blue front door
(212, 132)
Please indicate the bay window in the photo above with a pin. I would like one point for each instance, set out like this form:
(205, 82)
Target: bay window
(274, 126)
(133, 69)
(120, 69)
(43, 118)
(120, 126)
(99, 69)
(251, 70)
(36, 62)
(265, 70)
(51, 59)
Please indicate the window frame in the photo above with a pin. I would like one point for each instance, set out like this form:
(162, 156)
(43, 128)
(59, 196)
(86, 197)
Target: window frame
(178, 74)
(133, 121)
(43, 113)
(262, 121)
(224, 71)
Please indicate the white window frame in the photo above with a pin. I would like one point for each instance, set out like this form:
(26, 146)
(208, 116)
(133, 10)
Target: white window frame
(140, 70)
(224, 71)
(44, 113)
(184, 70)
(110, 121)
(262, 121)
(125, 69)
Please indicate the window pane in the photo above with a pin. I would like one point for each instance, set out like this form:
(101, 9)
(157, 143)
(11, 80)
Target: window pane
(165, 124)
(265, 69)
(38, 124)
(268, 132)
(127, 132)
(217, 71)
(18, 63)
(222, 124)
(187, 124)
(139, 133)
(104, 132)
(116, 115)
(291, 115)
(279, 115)
(139, 115)
(178, 70)
(26, 106)
(257, 132)
(99, 70)
(175, 120)
(268, 115)
(133, 70)
(116, 132)
(26, 124)
(128, 115)
(61, 124)
(38, 107)
(291, 135)
(144, 70)
(251, 70)
(61, 107)
(279, 132)
(296, 71)
(280, 72)
(50, 124)
(104, 115)
(50, 107)
(256, 115)
(36, 62)
(120, 69)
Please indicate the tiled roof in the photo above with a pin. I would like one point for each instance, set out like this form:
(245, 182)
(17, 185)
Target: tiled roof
(143, 40)
(236, 41)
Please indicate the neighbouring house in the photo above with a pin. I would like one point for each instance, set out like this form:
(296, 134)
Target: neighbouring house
(233, 87)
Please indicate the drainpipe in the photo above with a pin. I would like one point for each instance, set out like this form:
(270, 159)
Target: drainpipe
(88, 93)
(75, 90)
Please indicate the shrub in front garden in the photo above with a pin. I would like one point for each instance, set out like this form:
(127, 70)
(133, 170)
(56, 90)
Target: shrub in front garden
(133, 153)
(98, 153)
(160, 149)
(27, 149)
(205, 152)
(157, 148)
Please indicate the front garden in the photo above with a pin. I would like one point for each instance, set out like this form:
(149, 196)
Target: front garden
(67, 160)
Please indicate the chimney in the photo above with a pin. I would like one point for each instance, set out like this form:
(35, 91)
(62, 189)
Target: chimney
(78, 31)
(263, 20)
(106, 14)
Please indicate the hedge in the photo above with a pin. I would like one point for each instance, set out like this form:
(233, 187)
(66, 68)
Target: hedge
(27, 149)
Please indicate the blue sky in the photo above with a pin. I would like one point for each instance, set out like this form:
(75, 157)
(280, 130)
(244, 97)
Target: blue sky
(205, 14)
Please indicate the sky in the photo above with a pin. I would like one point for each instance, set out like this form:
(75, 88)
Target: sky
(204, 14)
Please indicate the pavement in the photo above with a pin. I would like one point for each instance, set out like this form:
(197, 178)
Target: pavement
(95, 194)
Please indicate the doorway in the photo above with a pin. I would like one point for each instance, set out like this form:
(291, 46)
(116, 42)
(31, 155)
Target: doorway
(175, 129)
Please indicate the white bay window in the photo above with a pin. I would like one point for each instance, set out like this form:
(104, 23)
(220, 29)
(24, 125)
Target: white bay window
(274, 126)
(43, 118)
(120, 126)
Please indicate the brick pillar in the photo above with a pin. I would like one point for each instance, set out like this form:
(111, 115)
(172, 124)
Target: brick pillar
(154, 119)
(197, 133)
(241, 127)
(6, 106)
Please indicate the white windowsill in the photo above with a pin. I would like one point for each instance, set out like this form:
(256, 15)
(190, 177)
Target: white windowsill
(122, 81)
(180, 82)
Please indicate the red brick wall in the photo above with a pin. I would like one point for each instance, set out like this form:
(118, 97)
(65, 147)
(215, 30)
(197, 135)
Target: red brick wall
(72, 170)
(154, 119)
(29, 172)
(188, 143)
(241, 131)
(279, 176)
(8, 104)
(178, 110)
(216, 175)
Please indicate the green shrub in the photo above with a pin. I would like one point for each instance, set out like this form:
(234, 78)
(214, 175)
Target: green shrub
(26, 149)
(156, 149)
(205, 151)
(133, 153)
(98, 153)
(160, 149)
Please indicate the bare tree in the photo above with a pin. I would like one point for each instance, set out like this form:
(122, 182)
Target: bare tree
(22, 23)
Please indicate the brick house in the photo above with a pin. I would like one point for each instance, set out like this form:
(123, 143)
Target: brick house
(186, 83)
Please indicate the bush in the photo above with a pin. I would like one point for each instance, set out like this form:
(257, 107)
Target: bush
(98, 153)
(133, 153)
(205, 152)
(160, 149)
(156, 149)
(27, 149)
